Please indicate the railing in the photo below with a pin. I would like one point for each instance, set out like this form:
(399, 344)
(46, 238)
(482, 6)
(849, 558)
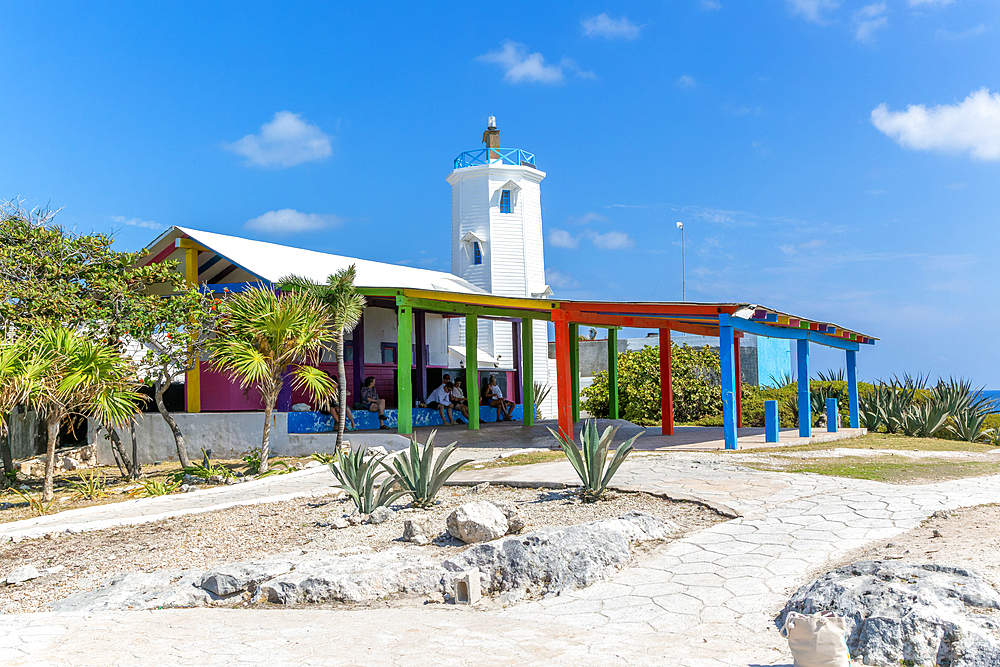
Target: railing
(485, 156)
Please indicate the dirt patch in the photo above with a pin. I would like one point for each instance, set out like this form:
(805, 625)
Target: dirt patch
(256, 531)
(966, 536)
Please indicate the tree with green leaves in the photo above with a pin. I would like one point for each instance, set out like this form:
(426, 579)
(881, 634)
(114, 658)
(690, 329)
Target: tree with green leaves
(51, 277)
(261, 335)
(345, 305)
(60, 372)
(174, 330)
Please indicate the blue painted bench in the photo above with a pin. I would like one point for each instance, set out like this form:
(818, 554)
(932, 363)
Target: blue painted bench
(317, 422)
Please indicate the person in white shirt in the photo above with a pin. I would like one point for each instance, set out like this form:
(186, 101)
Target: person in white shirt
(440, 400)
(496, 400)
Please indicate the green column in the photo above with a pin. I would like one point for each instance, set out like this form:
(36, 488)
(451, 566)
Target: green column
(472, 368)
(404, 381)
(574, 368)
(613, 373)
(527, 372)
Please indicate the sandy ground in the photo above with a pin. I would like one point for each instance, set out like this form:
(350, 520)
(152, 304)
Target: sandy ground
(967, 537)
(256, 531)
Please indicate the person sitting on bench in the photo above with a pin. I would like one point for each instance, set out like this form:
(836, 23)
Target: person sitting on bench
(458, 401)
(496, 400)
(371, 401)
(440, 400)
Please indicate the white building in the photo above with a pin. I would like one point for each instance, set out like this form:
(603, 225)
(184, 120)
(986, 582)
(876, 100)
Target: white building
(497, 242)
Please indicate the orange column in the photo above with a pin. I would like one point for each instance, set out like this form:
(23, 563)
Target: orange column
(666, 384)
(739, 380)
(564, 385)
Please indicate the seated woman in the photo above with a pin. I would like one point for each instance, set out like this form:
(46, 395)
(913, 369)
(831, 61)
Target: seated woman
(496, 400)
(440, 400)
(371, 401)
(457, 396)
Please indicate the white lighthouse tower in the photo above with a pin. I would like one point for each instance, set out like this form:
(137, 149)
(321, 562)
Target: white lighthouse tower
(496, 239)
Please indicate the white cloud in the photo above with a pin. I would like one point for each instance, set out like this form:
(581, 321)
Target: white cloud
(560, 238)
(611, 240)
(290, 221)
(962, 34)
(588, 218)
(136, 222)
(972, 125)
(812, 10)
(868, 19)
(711, 4)
(933, 3)
(559, 280)
(603, 25)
(685, 81)
(520, 65)
(286, 141)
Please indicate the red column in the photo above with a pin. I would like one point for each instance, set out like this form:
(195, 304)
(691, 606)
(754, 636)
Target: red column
(666, 384)
(739, 380)
(563, 384)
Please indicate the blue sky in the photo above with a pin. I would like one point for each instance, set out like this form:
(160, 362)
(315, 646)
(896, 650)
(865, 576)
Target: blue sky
(835, 159)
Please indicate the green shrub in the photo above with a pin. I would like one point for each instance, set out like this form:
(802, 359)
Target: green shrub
(695, 378)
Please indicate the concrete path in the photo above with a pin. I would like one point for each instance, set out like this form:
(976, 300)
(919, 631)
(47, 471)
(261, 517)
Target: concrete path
(707, 600)
(303, 483)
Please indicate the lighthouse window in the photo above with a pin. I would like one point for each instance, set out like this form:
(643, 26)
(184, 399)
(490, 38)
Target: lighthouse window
(477, 253)
(505, 201)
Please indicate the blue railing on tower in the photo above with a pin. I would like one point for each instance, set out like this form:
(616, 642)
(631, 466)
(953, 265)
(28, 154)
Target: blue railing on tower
(484, 156)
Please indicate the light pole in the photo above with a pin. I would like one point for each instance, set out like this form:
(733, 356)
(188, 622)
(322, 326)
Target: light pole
(680, 226)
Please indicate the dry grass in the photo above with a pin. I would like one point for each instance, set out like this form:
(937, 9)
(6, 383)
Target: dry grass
(881, 468)
(884, 441)
(528, 458)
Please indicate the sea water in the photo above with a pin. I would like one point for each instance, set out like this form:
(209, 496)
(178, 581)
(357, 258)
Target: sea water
(995, 395)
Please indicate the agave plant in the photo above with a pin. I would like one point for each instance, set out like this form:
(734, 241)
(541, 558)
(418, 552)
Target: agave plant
(817, 402)
(590, 463)
(927, 418)
(832, 375)
(358, 473)
(414, 474)
(90, 487)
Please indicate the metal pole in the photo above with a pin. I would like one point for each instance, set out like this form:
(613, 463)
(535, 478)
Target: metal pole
(683, 270)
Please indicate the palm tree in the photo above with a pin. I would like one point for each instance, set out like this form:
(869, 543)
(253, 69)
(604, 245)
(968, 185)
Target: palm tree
(59, 372)
(261, 334)
(345, 306)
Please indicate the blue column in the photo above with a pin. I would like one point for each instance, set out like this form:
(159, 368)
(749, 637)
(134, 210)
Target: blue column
(832, 415)
(728, 366)
(770, 421)
(852, 388)
(805, 402)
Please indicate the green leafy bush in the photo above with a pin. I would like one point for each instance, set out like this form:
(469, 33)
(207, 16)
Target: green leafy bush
(695, 376)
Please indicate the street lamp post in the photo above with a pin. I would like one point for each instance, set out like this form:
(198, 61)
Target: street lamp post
(680, 226)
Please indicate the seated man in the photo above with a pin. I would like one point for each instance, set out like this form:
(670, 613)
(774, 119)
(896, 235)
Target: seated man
(458, 401)
(440, 400)
(496, 400)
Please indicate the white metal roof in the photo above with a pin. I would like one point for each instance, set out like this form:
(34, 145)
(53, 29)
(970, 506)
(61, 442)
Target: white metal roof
(272, 262)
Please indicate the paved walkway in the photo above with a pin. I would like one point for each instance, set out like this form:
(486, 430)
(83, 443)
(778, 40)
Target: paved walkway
(304, 483)
(707, 600)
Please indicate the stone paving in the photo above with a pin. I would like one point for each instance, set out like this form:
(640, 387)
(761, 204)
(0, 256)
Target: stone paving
(706, 600)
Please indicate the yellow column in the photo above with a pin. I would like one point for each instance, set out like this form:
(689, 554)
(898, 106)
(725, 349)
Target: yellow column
(192, 379)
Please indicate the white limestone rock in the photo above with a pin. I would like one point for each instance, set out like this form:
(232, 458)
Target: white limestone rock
(553, 560)
(380, 515)
(357, 578)
(238, 577)
(21, 574)
(419, 530)
(140, 590)
(477, 522)
(920, 614)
